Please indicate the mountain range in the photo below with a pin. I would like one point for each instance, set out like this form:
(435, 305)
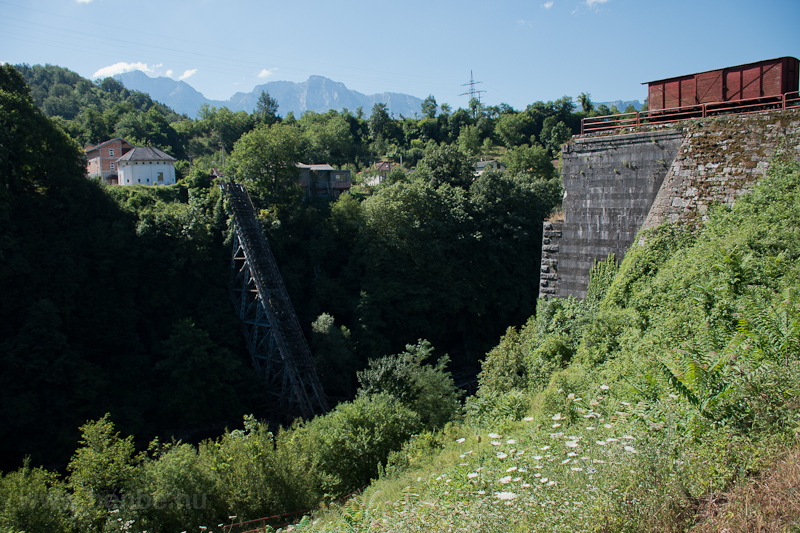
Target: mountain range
(316, 94)
(621, 105)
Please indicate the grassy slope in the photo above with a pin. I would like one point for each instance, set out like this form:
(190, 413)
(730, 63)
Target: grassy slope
(612, 444)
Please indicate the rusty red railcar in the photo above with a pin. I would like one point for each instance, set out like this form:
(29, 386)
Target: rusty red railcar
(763, 79)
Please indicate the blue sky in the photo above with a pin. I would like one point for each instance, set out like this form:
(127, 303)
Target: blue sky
(520, 51)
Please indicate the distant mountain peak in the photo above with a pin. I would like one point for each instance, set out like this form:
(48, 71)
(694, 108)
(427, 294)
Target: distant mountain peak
(317, 93)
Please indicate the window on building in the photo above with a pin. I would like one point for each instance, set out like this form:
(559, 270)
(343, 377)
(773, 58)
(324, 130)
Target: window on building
(160, 176)
(112, 166)
(110, 152)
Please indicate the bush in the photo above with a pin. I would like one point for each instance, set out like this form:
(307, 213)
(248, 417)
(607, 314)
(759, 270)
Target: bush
(345, 448)
(33, 499)
(427, 390)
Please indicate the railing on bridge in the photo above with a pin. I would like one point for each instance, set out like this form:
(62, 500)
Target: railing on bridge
(274, 338)
(789, 100)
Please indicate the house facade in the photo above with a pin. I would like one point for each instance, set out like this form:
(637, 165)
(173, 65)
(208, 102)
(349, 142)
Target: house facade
(323, 180)
(489, 164)
(144, 165)
(101, 159)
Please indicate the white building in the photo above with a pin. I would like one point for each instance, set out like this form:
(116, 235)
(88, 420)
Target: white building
(145, 165)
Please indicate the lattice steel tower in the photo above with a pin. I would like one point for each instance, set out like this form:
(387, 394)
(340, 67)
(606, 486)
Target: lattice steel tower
(274, 338)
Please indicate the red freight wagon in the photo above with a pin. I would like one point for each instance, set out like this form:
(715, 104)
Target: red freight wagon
(772, 77)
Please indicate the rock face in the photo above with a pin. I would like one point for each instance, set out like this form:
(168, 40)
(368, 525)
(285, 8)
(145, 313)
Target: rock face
(722, 159)
(617, 184)
(317, 94)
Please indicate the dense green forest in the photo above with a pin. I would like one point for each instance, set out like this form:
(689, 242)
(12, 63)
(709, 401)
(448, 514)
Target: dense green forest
(115, 298)
(675, 379)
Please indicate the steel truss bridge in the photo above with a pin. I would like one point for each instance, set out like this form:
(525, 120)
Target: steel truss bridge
(278, 349)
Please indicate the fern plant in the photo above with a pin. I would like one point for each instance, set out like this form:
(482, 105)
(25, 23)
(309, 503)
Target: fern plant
(767, 339)
(699, 377)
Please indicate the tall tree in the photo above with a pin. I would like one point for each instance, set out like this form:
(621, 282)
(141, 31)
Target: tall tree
(266, 109)
(429, 107)
(585, 100)
(514, 129)
(379, 121)
(266, 158)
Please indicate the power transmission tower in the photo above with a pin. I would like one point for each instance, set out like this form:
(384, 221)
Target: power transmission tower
(472, 92)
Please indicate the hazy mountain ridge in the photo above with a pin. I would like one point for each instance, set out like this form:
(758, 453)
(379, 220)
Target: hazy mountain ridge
(621, 105)
(317, 94)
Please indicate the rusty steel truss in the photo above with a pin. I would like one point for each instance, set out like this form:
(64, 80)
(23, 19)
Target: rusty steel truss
(278, 349)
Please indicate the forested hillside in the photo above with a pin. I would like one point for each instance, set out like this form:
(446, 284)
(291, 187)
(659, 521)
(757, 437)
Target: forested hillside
(115, 298)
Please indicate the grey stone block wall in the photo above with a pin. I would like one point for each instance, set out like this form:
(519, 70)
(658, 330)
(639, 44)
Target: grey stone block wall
(548, 275)
(610, 183)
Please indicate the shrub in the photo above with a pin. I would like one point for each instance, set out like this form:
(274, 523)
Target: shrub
(428, 390)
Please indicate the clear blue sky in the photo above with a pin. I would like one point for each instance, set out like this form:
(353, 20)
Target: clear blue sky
(521, 51)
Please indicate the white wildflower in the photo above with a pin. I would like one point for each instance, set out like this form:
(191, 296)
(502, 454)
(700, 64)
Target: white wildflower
(630, 449)
(495, 436)
(461, 440)
(472, 475)
(604, 387)
(506, 495)
(502, 455)
(505, 480)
